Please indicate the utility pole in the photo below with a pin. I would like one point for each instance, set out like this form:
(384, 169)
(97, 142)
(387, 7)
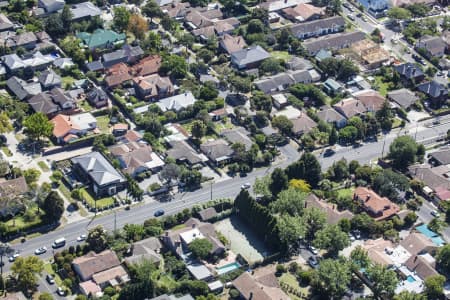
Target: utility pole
(115, 221)
(211, 190)
(382, 151)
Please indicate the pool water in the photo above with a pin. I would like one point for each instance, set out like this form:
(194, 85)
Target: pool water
(228, 268)
(410, 278)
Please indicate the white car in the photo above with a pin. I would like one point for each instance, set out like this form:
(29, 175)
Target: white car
(81, 238)
(60, 291)
(435, 213)
(13, 257)
(40, 250)
(313, 250)
(246, 186)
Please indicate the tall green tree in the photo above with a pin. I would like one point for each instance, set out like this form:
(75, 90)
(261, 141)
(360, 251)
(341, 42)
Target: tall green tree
(279, 181)
(25, 271)
(332, 278)
(96, 239)
(121, 18)
(291, 229)
(406, 295)
(5, 123)
(434, 286)
(314, 220)
(290, 201)
(198, 129)
(307, 168)
(398, 13)
(53, 206)
(403, 152)
(283, 124)
(384, 281)
(66, 18)
(174, 65)
(443, 257)
(38, 126)
(200, 248)
(332, 239)
(359, 258)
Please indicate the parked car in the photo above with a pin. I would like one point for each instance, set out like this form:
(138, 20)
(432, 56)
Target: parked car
(357, 234)
(40, 250)
(246, 186)
(328, 152)
(312, 261)
(60, 291)
(13, 257)
(50, 279)
(351, 237)
(435, 213)
(313, 250)
(159, 213)
(351, 17)
(81, 238)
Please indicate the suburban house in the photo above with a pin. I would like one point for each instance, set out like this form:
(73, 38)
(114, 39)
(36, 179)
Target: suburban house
(97, 97)
(279, 101)
(117, 75)
(433, 46)
(11, 192)
(51, 6)
(22, 89)
(52, 102)
(350, 107)
(67, 128)
(153, 86)
(25, 40)
(99, 270)
(127, 54)
(371, 54)
(318, 27)
(49, 79)
(231, 43)
(177, 102)
(379, 208)
(331, 211)
(437, 94)
(440, 157)
(238, 135)
(218, 151)
(332, 87)
(371, 99)
(84, 11)
(281, 81)
(147, 249)
(36, 61)
(376, 250)
(424, 265)
(435, 180)
(302, 124)
(409, 71)
(5, 23)
(417, 243)
(330, 115)
(261, 284)
(136, 158)
(178, 240)
(249, 58)
(303, 12)
(333, 42)
(101, 38)
(207, 214)
(99, 174)
(403, 97)
(278, 5)
(182, 152)
(218, 28)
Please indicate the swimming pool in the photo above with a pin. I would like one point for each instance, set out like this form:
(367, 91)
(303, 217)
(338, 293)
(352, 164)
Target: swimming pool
(228, 268)
(410, 279)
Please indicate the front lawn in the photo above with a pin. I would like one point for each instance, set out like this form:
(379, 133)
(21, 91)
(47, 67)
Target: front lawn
(290, 285)
(29, 219)
(86, 106)
(99, 203)
(209, 136)
(346, 193)
(382, 87)
(102, 123)
(284, 55)
(6, 150)
(48, 268)
(43, 166)
(67, 81)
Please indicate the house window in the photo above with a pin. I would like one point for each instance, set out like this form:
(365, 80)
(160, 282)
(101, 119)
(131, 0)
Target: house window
(112, 190)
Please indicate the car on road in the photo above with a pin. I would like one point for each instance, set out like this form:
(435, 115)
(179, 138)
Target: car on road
(246, 186)
(313, 250)
(313, 262)
(394, 41)
(440, 73)
(40, 250)
(435, 213)
(60, 291)
(50, 279)
(346, 5)
(13, 257)
(58, 243)
(81, 238)
(364, 18)
(159, 213)
(351, 17)
(359, 15)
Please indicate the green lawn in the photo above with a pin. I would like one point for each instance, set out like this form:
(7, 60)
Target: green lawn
(7, 151)
(188, 128)
(284, 55)
(381, 86)
(20, 222)
(67, 81)
(48, 268)
(102, 123)
(85, 105)
(19, 137)
(99, 203)
(289, 279)
(346, 192)
(44, 167)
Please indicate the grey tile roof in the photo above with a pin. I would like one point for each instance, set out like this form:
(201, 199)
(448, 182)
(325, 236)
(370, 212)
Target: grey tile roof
(238, 135)
(249, 55)
(95, 65)
(277, 82)
(177, 102)
(442, 156)
(329, 114)
(5, 23)
(333, 41)
(409, 70)
(403, 97)
(43, 103)
(49, 78)
(83, 10)
(317, 25)
(23, 89)
(63, 62)
(183, 151)
(99, 169)
(217, 149)
(433, 44)
(433, 89)
(13, 62)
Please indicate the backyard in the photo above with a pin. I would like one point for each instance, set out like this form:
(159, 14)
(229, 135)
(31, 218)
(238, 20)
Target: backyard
(188, 127)
(290, 284)
(103, 123)
(242, 239)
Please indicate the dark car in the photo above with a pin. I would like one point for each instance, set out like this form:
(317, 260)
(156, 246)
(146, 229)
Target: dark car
(328, 152)
(159, 213)
(312, 261)
(50, 279)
